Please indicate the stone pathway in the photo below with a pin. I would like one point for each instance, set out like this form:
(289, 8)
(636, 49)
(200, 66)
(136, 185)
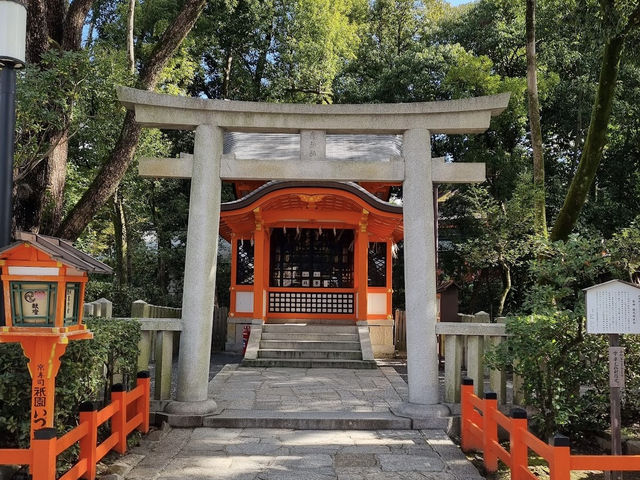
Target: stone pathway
(328, 424)
(278, 454)
(307, 390)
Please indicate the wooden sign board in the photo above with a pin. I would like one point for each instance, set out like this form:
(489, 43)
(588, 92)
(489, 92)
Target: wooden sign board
(613, 308)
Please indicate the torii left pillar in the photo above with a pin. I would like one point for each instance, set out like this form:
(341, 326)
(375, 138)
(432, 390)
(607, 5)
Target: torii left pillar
(200, 275)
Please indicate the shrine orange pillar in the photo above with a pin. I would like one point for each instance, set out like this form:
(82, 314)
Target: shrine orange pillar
(361, 265)
(44, 354)
(389, 280)
(259, 252)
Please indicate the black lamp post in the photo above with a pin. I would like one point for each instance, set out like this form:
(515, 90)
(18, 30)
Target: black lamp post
(13, 34)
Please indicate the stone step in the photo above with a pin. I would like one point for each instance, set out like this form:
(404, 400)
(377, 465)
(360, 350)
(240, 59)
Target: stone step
(310, 328)
(310, 354)
(320, 337)
(307, 363)
(308, 345)
(307, 420)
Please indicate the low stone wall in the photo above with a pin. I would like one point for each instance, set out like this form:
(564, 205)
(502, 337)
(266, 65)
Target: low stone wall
(235, 326)
(381, 334)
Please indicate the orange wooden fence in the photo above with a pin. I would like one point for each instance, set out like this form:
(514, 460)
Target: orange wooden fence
(127, 411)
(480, 421)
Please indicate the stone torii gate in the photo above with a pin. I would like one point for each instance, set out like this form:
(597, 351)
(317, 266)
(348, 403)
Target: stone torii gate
(417, 171)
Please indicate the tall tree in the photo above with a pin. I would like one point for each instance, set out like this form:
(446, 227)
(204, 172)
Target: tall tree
(106, 182)
(534, 122)
(52, 25)
(623, 26)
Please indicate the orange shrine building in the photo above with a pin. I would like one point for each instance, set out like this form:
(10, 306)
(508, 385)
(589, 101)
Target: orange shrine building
(312, 252)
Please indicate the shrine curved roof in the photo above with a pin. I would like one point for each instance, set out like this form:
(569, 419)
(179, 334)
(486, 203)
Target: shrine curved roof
(349, 187)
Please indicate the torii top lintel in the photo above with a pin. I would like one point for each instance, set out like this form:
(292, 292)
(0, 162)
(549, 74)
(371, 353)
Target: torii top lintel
(470, 115)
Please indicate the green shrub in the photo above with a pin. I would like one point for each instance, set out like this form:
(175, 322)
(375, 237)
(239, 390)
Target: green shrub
(85, 374)
(564, 372)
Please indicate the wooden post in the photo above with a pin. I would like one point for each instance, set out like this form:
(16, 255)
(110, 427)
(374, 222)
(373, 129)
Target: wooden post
(518, 447)
(44, 454)
(466, 411)
(361, 263)
(143, 401)
(44, 362)
(561, 462)
(88, 443)
(616, 381)
(490, 431)
(119, 419)
(258, 271)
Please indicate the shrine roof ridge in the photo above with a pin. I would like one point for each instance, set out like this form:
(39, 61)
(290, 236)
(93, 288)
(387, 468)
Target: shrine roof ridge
(273, 186)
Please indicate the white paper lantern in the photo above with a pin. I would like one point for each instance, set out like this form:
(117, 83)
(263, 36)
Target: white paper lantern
(13, 32)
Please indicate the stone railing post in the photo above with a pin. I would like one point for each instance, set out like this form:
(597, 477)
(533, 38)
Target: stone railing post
(453, 345)
(106, 307)
(475, 362)
(164, 361)
(140, 309)
(498, 378)
(89, 309)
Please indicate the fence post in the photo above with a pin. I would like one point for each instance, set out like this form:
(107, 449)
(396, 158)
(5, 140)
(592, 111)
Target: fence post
(561, 462)
(119, 419)
(452, 367)
(88, 443)
(164, 362)
(490, 431)
(475, 362)
(43, 466)
(466, 410)
(518, 447)
(143, 401)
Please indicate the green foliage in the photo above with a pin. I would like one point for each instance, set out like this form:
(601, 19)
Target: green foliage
(85, 375)
(565, 370)
(555, 359)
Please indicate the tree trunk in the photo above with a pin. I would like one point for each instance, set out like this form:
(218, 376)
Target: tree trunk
(227, 74)
(262, 64)
(540, 219)
(37, 31)
(120, 236)
(106, 182)
(109, 177)
(52, 201)
(130, 25)
(506, 287)
(595, 142)
(40, 204)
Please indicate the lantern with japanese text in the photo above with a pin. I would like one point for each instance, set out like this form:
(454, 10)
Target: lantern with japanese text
(43, 281)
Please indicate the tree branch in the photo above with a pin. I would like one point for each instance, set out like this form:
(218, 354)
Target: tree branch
(73, 23)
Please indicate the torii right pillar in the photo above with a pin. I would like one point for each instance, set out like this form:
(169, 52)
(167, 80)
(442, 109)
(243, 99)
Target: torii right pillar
(420, 268)
(421, 171)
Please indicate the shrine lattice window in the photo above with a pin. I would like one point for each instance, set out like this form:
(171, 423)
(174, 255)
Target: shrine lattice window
(311, 258)
(377, 264)
(244, 264)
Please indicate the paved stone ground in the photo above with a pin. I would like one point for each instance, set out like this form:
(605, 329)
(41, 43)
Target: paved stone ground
(284, 454)
(307, 390)
(277, 454)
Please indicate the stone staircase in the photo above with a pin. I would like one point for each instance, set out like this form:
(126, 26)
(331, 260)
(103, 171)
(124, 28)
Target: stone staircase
(309, 345)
